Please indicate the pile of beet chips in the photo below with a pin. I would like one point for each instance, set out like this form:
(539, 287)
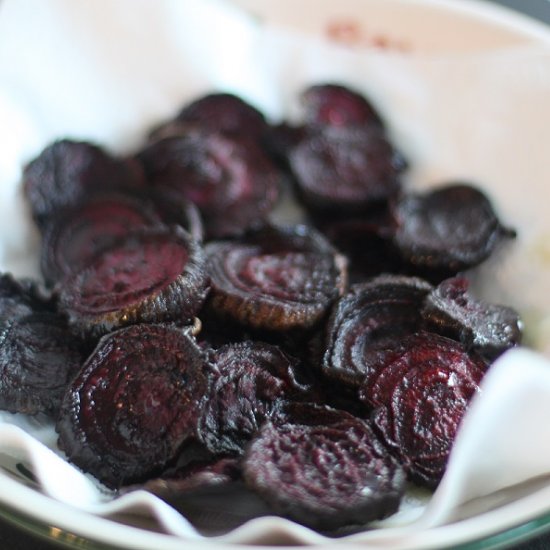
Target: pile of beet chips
(185, 343)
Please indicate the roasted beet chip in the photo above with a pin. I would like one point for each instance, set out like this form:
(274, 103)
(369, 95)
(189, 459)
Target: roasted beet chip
(345, 168)
(325, 469)
(67, 171)
(447, 230)
(155, 275)
(275, 279)
(423, 392)
(21, 297)
(232, 181)
(38, 358)
(365, 239)
(217, 112)
(337, 105)
(78, 234)
(134, 404)
(489, 329)
(366, 323)
(250, 380)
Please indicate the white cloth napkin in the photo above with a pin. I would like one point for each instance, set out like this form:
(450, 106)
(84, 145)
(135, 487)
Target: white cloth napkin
(107, 71)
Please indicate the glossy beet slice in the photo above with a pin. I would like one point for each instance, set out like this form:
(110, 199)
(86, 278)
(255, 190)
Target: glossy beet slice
(216, 112)
(68, 171)
(77, 235)
(489, 329)
(337, 105)
(134, 404)
(230, 179)
(448, 229)
(345, 169)
(276, 279)
(249, 381)
(423, 393)
(325, 469)
(366, 323)
(38, 358)
(155, 275)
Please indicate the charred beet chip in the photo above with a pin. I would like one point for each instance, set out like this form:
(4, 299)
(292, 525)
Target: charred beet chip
(250, 380)
(447, 230)
(21, 297)
(232, 181)
(67, 171)
(489, 329)
(134, 404)
(336, 105)
(218, 112)
(38, 358)
(365, 239)
(366, 323)
(345, 169)
(423, 392)
(325, 469)
(155, 275)
(276, 279)
(79, 233)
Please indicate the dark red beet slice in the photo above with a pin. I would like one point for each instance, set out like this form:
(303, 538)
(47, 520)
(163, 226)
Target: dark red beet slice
(325, 469)
(217, 112)
(231, 180)
(447, 230)
(489, 329)
(423, 392)
(345, 168)
(79, 233)
(134, 404)
(250, 380)
(67, 171)
(367, 322)
(155, 275)
(337, 105)
(276, 279)
(38, 358)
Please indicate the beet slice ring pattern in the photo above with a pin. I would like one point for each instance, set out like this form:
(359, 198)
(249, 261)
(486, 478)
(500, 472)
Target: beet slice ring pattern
(134, 404)
(488, 329)
(366, 323)
(233, 183)
(276, 279)
(345, 169)
(80, 233)
(250, 380)
(325, 469)
(154, 275)
(447, 230)
(423, 393)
